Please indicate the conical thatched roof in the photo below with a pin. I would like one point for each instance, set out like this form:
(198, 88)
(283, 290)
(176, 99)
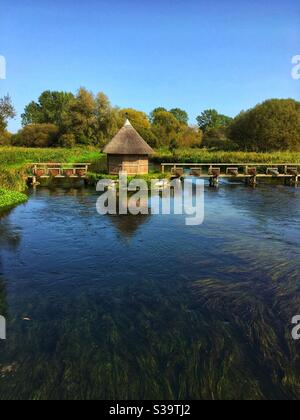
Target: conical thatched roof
(128, 142)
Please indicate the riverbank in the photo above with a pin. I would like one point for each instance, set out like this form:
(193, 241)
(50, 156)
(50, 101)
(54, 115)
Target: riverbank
(15, 162)
(210, 156)
(14, 156)
(15, 167)
(11, 198)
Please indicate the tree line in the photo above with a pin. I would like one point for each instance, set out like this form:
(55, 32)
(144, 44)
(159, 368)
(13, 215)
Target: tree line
(64, 119)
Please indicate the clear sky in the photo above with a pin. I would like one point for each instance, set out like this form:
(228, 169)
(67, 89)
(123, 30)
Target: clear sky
(194, 54)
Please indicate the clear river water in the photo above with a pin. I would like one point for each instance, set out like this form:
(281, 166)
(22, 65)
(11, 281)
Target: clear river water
(145, 307)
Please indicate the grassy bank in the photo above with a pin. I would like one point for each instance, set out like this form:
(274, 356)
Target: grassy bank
(207, 156)
(11, 198)
(15, 161)
(21, 155)
(15, 167)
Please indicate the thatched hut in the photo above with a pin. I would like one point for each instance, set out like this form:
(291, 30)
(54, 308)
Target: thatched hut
(128, 152)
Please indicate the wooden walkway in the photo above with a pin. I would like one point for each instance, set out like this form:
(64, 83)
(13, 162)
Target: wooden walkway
(60, 170)
(249, 172)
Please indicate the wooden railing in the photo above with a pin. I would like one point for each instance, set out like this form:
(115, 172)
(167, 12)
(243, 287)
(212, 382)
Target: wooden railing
(60, 170)
(228, 170)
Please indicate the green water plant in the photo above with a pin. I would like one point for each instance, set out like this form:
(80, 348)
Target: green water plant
(11, 198)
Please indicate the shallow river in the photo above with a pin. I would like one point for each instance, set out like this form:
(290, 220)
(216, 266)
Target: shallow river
(124, 307)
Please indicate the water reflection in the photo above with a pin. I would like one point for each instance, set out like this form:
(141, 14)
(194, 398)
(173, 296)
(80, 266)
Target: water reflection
(10, 236)
(3, 301)
(128, 225)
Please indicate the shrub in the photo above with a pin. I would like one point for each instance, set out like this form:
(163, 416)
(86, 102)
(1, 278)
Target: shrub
(5, 138)
(37, 135)
(67, 140)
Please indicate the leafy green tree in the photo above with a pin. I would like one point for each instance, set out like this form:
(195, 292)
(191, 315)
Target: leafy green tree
(7, 112)
(37, 135)
(173, 146)
(156, 111)
(51, 108)
(180, 115)
(67, 141)
(189, 137)
(82, 120)
(5, 138)
(108, 119)
(149, 136)
(141, 123)
(270, 126)
(165, 127)
(137, 118)
(211, 120)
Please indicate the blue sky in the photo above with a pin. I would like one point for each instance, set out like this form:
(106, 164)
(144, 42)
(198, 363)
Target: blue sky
(195, 54)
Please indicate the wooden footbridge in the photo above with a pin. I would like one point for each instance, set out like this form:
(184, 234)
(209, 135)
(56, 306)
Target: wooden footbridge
(59, 171)
(248, 172)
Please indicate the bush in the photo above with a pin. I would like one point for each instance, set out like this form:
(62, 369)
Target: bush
(5, 138)
(271, 126)
(219, 144)
(189, 137)
(67, 140)
(149, 137)
(37, 135)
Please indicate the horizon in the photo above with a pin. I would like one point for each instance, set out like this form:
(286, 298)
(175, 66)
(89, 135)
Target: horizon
(194, 55)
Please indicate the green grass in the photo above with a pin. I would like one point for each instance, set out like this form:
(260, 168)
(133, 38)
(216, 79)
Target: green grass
(11, 198)
(15, 162)
(15, 168)
(20, 155)
(207, 156)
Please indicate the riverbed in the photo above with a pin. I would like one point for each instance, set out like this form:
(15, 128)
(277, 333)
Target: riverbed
(145, 307)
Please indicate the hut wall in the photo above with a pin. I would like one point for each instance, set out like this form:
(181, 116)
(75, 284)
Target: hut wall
(114, 164)
(132, 164)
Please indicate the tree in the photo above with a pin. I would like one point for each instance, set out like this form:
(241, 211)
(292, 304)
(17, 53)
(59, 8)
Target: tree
(82, 121)
(37, 135)
(270, 126)
(173, 146)
(67, 141)
(180, 115)
(5, 138)
(210, 120)
(51, 108)
(165, 127)
(108, 119)
(156, 111)
(137, 118)
(7, 112)
(149, 136)
(141, 123)
(190, 137)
